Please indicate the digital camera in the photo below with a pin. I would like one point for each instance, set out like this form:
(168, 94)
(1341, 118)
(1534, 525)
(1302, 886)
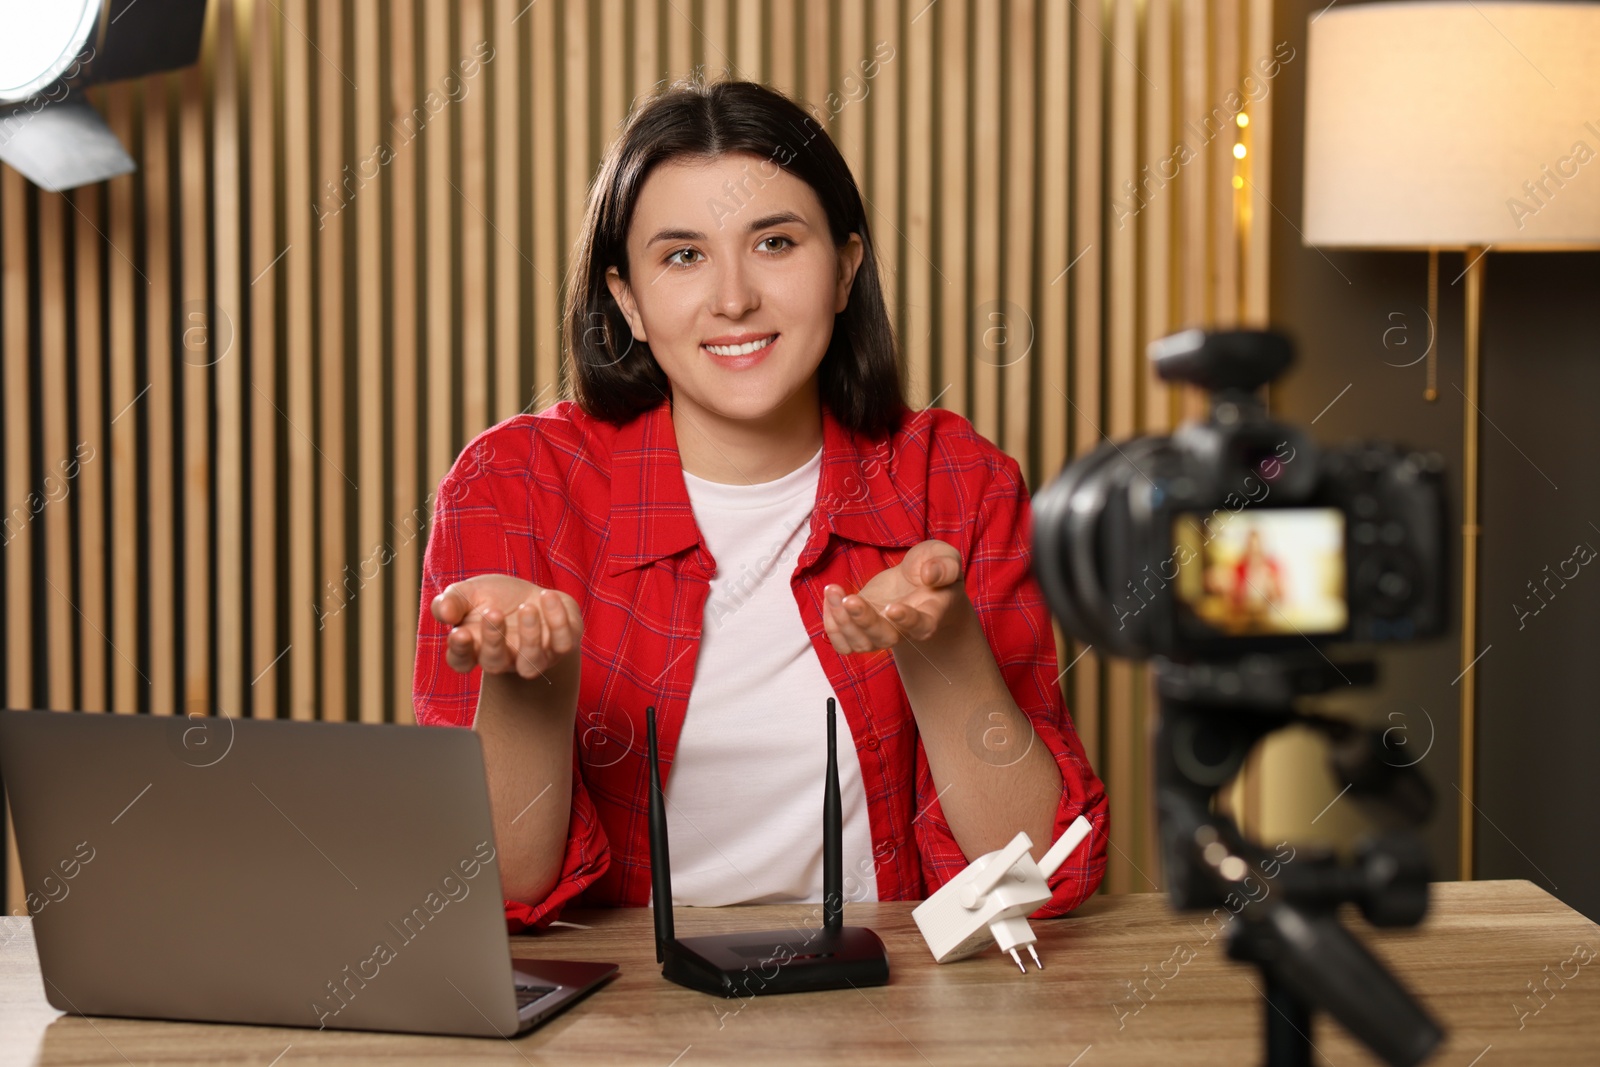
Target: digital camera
(1239, 535)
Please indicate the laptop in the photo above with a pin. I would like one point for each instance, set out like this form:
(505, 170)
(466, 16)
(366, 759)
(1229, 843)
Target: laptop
(328, 875)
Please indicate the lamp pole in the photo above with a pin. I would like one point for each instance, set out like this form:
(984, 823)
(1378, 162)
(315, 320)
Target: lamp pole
(1471, 476)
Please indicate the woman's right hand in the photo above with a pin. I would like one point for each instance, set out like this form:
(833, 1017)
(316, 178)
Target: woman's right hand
(506, 625)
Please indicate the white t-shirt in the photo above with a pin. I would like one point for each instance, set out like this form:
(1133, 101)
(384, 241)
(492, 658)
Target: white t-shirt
(744, 795)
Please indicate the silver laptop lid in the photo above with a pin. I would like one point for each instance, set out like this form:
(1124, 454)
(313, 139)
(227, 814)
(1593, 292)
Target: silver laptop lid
(235, 870)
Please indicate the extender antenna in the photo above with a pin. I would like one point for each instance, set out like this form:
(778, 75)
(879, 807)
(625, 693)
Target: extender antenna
(832, 833)
(660, 865)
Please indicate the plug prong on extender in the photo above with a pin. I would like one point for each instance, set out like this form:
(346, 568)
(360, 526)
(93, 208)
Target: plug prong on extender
(1035, 956)
(1018, 958)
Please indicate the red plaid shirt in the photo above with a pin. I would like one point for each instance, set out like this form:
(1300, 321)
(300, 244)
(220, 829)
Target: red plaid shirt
(601, 512)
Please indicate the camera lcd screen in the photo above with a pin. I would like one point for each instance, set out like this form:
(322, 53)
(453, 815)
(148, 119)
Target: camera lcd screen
(1262, 571)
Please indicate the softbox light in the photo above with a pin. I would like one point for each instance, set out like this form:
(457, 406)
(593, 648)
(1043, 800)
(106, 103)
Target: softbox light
(53, 49)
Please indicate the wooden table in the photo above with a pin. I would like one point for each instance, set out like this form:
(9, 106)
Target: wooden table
(1471, 962)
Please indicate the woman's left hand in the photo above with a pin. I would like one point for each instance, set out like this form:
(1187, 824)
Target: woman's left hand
(912, 601)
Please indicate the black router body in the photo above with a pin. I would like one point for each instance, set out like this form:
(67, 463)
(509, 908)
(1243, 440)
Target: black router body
(766, 961)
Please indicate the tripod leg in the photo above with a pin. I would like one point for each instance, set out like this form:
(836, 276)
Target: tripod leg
(1288, 1027)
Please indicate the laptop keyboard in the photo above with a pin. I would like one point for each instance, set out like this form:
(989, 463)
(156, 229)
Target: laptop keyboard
(527, 994)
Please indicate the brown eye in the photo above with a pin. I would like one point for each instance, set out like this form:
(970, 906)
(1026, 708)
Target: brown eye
(673, 260)
(785, 241)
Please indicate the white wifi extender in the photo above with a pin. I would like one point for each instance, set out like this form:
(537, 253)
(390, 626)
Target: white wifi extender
(993, 897)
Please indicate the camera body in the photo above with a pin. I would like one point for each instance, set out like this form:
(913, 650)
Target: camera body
(1239, 535)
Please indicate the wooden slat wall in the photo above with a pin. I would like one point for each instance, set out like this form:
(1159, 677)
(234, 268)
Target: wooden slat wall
(341, 259)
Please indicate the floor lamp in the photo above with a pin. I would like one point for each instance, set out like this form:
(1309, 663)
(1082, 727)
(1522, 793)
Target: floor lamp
(1458, 126)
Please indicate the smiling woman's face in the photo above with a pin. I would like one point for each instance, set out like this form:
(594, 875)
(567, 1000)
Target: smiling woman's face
(734, 283)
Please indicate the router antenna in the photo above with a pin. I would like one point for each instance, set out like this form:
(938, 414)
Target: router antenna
(832, 847)
(660, 862)
(720, 964)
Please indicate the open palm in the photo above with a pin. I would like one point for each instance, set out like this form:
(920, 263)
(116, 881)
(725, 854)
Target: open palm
(909, 601)
(505, 624)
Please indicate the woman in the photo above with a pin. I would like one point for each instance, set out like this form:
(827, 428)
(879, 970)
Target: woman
(733, 518)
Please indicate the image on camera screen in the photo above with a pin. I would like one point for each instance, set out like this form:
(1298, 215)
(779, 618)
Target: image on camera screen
(1264, 571)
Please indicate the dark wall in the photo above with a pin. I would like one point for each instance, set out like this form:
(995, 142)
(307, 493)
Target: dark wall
(1358, 317)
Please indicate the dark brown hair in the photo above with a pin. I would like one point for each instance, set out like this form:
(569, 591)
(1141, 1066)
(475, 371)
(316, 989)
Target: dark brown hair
(859, 377)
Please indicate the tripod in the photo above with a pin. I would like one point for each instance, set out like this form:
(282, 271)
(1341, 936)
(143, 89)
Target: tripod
(1212, 716)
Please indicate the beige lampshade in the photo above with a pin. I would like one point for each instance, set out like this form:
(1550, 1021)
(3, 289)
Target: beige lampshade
(1451, 124)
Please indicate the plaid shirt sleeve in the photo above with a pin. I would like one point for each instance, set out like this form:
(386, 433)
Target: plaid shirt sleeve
(1012, 612)
(473, 534)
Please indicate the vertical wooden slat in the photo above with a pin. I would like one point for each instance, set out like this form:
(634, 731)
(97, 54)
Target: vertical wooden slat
(304, 595)
(410, 515)
(1155, 281)
(1259, 233)
(90, 453)
(1060, 249)
(850, 124)
(680, 43)
(1060, 254)
(575, 79)
(953, 290)
(371, 541)
(713, 41)
(16, 524)
(160, 457)
(197, 340)
(1022, 352)
(266, 424)
(228, 368)
(995, 321)
(649, 67)
(751, 34)
(1195, 225)
(439, 254)
(60, 607)
(1196, 271)
(916, 57)
(335, 583)
(17, 501)
(881, 84)
(608, 52)
(1125, 756)
(781, 40)
(614, 63)
(1087, 44)
(1121, 325)
(1088, 100)
(127, 289)
(508, 77)
(474, 234)
(1158, 175)
(1219, 161)
(572, 48)
(818, 46)
(548, 254)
